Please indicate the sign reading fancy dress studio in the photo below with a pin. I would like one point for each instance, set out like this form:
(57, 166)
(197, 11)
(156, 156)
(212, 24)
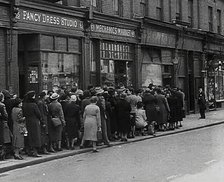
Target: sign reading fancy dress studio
(36, 17)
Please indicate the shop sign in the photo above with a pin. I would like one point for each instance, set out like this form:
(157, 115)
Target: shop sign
(112, 30)
(29, 16)
(158, 38)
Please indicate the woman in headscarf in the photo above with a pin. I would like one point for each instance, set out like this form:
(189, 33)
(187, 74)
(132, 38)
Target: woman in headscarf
(72, 119)
(33, 123)
(55, 132)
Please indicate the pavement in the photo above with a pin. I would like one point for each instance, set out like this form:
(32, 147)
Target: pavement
(191, 122)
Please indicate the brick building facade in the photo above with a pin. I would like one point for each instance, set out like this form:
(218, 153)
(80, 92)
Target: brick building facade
(49, 44)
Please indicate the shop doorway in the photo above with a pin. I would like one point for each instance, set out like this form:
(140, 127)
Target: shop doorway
(120, 73)
(116, 73)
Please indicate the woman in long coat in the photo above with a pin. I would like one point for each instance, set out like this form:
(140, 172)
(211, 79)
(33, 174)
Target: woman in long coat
(92, 123)
(19, 128)
(149, 102)
(72, 119)
(55, 132)
(123, 109)
(33, 122)
(3, 125)
(163, 109)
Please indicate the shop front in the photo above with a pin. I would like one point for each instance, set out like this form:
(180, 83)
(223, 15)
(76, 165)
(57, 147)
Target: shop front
(49, 49)
(113, 61)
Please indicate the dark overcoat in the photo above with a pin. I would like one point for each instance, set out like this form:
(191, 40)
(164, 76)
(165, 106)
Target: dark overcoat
(162, 114)
(149, 102)
(123, 109)
(72, 119)
(33, 120)
(3, 118)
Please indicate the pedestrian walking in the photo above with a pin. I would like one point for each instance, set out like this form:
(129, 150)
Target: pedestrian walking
(201, 103)
(92, 123)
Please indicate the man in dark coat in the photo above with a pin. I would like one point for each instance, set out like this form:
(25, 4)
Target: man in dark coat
(33, 120)
(201, 103)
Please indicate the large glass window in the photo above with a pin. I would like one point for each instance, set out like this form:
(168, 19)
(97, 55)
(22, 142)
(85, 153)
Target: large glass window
(116, 64)
(59, 70)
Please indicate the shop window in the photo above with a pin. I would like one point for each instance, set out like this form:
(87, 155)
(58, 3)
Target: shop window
(60, 43)
(46, 42)
(73, 45)
(111, 50)
(59, 70)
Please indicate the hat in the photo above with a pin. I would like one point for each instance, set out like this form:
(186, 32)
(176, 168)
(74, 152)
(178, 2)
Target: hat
(54, 96)
(30, 94)
(121, 89)
(73, 98)
(79, 92)
(98, 90)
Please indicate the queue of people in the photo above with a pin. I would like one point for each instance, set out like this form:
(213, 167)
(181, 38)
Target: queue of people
(45, 123)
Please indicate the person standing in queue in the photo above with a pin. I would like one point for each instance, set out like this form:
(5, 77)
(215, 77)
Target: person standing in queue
(201, 103)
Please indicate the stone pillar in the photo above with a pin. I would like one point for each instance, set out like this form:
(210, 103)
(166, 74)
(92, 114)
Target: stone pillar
(137, 67)
(85, 63)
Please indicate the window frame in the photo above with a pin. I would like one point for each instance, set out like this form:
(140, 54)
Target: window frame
(210, 18)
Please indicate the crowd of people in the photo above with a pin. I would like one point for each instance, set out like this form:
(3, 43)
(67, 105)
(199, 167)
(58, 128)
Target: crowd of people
(45, 123)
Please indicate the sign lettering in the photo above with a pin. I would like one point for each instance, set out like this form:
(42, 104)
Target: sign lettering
(42, 18)
(112, 30)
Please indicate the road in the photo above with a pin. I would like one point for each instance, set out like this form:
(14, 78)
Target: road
(196, 156)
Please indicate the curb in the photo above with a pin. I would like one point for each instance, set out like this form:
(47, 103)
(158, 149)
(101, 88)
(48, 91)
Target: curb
(67, 154)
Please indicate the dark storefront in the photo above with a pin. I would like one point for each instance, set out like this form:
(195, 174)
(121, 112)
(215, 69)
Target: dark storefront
(113, 58)
(49, 49)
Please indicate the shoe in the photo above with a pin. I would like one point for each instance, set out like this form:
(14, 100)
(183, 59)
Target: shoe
(51, 150)
(95, 150)
(18, 157)
(59, 149)
(72, 148)
(35, 155)
(81, 147)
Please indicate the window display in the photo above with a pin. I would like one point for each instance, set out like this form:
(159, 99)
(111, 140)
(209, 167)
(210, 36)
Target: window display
(59, 70)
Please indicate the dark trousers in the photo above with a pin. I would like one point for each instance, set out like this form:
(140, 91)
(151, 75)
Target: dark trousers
(202, 112)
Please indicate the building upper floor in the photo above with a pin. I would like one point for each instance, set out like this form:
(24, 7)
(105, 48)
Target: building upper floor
(206, 15)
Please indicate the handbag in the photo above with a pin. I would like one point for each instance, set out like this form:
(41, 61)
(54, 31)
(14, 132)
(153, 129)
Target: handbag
(99, 135)
(56, 121)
